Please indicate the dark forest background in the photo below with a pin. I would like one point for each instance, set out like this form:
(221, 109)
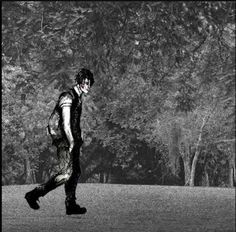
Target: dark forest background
(162, 109)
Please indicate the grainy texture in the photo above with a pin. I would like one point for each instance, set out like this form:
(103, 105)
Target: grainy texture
(126, 208)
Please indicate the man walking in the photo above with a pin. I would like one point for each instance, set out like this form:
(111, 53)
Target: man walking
(64, 128)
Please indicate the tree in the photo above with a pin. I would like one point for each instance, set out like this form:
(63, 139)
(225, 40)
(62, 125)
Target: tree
(157, 66)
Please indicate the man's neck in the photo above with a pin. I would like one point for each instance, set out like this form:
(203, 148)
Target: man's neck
(78, 91)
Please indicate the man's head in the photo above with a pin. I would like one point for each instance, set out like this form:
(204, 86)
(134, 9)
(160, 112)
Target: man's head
(84, 79)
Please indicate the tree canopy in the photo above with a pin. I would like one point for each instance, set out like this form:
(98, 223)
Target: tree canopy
(164, 86)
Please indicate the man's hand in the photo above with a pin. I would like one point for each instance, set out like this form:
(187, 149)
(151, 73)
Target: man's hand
(53, 132)
(71, 147)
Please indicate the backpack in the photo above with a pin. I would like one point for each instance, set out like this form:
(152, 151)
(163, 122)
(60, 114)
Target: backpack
(53, 127)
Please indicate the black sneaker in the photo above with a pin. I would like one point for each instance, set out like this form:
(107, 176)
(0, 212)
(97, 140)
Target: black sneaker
(32, 198)
(75, 209)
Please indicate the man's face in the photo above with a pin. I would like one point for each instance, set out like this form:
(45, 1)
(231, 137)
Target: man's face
(85, 86)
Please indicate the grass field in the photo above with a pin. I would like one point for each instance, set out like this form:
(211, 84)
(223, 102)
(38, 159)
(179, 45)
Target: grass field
(123, 208)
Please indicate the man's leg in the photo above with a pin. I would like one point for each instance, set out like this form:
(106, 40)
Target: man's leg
(64, 172)
(71, 184)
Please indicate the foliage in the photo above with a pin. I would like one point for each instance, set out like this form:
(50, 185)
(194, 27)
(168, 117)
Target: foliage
(154, 63)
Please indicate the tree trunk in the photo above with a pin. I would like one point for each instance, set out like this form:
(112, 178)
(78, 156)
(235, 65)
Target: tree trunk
(101, 179)
(193, 169)
(28, 176)
(232, 175)
(205, 179)
(174, 153)
(185, 151)
(187, 171)
(109, 170)
(107, 176)
(197, 152)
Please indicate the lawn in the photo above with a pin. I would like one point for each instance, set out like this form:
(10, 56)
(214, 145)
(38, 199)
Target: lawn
(122, 208)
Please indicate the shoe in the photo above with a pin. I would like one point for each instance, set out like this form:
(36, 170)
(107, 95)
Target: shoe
(73, 208)
(32, 197)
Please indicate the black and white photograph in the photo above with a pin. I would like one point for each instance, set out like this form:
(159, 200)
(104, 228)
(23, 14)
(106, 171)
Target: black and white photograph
(118, 116)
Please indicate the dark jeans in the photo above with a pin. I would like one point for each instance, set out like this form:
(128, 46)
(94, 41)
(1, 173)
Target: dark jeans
(67, 171)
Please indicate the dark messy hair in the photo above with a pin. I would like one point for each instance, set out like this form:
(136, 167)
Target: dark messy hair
(83, 74)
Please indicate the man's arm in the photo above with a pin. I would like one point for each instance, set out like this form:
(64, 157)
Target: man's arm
(65, 104)
(67, 126)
